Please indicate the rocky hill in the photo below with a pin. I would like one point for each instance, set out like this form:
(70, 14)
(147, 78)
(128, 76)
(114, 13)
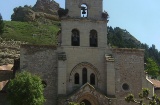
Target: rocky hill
(34, 25)
(43, 8)
(46, 6)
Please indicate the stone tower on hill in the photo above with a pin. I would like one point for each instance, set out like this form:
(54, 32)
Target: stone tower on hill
(82, 68)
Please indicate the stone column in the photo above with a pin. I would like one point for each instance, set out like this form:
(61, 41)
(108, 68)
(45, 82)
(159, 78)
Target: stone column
(110, 75)
(62, 73)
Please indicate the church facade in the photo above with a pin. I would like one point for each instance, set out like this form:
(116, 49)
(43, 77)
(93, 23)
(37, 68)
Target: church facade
(83, 68)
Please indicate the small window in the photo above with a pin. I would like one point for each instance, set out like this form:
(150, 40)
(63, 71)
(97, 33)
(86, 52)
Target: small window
(92, 79)
(76, 78)
(84, 11)
(75, 38)
(84, 75)
(93, 38)
(44, 84)
(125, 86)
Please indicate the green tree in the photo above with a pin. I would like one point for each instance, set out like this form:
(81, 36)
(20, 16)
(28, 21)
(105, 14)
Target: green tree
(152, 68)
(25, 89)
(143, 95)
(1, 25)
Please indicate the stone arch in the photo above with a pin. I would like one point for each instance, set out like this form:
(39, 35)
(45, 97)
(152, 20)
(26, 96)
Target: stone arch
(87, 65)
(93, 100)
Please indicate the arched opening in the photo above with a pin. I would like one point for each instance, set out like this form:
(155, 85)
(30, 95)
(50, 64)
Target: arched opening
(92, 79)
(76, 78)
(84, 11)
(84, 75)
(86, 102)
(93, 38)
(75, 37)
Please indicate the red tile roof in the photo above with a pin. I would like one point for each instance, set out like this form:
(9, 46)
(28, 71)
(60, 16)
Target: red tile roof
(155, 82)
(6, 67)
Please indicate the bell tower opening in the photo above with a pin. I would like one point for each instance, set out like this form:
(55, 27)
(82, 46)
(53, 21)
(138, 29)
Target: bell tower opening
(75, 38)
(84, 11)
(93, 38)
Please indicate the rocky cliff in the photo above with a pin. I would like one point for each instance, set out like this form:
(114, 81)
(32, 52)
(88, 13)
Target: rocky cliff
(46, 6)
(43, 8)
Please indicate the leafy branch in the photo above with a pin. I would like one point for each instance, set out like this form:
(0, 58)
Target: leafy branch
(144, 94)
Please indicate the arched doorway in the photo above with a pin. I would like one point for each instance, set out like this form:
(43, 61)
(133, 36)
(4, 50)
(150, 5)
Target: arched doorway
(88, 99)
(86, 102)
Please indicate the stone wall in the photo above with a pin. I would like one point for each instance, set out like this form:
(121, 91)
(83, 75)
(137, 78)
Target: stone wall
(84, 27)
(84, 57)
(129, 67)
(42, 61)
(9, 50)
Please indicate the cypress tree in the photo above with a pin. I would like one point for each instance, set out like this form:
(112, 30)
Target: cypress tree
(1, 25)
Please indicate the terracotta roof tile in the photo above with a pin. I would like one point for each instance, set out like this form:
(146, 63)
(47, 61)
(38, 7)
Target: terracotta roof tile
(155, 82)
(6, 67)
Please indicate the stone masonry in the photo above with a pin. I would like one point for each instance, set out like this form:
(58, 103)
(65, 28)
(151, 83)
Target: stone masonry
(42, 61)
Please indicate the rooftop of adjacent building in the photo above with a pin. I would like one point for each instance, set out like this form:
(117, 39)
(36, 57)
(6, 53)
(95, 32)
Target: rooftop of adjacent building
(155, 82)
(6, 67)
(5, 74)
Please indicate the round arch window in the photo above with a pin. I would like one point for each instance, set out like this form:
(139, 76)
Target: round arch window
(125, 86)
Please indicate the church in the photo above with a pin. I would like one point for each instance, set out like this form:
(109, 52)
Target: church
(82, 67)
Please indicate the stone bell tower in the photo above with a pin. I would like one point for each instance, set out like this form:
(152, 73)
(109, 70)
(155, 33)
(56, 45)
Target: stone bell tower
(83, 41)
(86, 23)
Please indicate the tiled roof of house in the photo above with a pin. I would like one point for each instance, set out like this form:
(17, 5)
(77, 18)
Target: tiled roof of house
(5, 72)
(6, 67)
(155, 82)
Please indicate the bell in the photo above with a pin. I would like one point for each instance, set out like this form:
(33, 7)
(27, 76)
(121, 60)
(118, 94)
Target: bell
(83, 12)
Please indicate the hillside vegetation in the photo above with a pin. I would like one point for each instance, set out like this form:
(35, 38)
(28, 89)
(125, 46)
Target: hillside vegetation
(41, 32)
(31, 32)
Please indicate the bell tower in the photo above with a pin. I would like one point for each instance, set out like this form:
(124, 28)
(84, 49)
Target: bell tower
(93, 8)
(83, 42)
(85, 24)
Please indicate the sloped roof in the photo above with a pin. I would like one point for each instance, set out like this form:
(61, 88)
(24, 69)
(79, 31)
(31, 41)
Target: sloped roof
(6, 67)
(91, 88)
(5, 72)
(155, 82)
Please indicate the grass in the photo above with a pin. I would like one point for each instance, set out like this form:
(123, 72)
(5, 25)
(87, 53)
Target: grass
(41, 33)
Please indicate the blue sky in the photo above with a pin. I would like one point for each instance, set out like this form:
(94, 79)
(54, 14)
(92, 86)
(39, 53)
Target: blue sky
(139, 17)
